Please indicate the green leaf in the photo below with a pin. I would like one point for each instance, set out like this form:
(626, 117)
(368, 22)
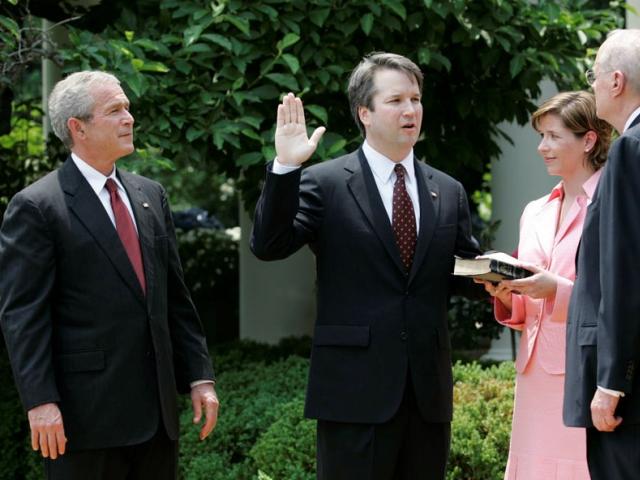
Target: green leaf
(251, 134)
(218, 39)
(319, 16)
(319, 112)
(135, 84)
(396, 7)
(194, 133)
(10, 25)
(157, 67)
(336, 147)
(288, 40)
(516, 65)
(442, 60)
(240, 23)
(366, 23)
(266, 92)
(292, 62)
(583, 37)
(128, 34)
(191, 34)
(284, 80)
(248, 159)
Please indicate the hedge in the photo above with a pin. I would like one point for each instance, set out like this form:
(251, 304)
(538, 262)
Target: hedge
(261, 432)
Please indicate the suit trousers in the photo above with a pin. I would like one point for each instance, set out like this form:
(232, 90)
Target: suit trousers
(403, 448)
(155, 459)
(614, 455)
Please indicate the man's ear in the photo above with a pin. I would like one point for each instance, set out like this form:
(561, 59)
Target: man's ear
(363, 115)
(76, 127)
(618, 84)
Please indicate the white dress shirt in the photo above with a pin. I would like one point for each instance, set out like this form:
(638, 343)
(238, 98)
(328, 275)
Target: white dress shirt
(97, 181)
(384, 176)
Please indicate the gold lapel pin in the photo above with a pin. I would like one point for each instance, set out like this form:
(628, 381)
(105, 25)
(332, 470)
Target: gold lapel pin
(145, 205)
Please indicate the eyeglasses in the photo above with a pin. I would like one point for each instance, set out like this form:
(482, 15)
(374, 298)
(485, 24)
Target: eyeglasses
(590, 75)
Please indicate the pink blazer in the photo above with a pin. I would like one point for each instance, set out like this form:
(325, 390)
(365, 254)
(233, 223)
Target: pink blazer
(543, 321)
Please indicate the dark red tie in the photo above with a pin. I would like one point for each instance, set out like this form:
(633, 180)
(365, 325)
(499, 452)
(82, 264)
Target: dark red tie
(403, 218)
(126, 231)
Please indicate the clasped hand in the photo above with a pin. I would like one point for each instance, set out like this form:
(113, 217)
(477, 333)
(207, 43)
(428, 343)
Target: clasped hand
(542, 284)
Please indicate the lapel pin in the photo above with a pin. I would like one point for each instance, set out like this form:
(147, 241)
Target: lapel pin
(434, 194)
(145, 205)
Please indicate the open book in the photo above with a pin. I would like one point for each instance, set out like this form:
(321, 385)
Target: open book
(493, 267)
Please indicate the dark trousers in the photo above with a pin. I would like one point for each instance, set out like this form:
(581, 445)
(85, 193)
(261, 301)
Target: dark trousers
(404, 448)
(614, 455)
(155, 459)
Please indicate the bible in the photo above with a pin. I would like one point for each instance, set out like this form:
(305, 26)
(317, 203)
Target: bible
(493, 267)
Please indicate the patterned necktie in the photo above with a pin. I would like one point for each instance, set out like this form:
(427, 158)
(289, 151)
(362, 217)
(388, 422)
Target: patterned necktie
(403, 218)
(126, 231)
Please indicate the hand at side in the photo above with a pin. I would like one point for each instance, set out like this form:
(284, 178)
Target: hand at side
(47, 430)
(203, 396)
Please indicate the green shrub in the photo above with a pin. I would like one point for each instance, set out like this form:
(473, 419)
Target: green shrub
(287, 450)
(483, 405)
(249, 403)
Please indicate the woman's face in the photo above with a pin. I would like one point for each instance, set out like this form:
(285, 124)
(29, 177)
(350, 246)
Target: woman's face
(562, 151)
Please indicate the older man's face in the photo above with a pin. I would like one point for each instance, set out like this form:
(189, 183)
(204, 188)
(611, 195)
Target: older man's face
(109, 134)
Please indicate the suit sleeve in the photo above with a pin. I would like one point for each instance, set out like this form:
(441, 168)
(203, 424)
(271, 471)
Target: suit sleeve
(466, 247)
(27, 263)
(288, 214)
(619, 310)
(190, 353)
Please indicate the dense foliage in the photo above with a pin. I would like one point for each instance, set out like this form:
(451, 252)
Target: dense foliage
(261, 426)
(205, 78)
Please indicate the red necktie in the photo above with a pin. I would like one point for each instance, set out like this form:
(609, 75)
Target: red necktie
(403, 218)
(126, 231)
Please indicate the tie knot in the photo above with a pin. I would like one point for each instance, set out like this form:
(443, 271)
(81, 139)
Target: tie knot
(400, 171)
(111, 185)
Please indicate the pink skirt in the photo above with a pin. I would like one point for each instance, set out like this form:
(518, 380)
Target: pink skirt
(542, 448)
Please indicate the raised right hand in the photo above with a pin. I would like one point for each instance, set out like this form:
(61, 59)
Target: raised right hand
(293, 147)
(47, 430)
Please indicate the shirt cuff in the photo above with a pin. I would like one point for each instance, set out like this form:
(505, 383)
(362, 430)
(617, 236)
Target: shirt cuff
(201, 382)
(280, 168)
(615, 393)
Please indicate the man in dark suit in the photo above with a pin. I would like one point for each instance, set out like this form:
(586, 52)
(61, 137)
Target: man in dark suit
(602, 390)
(99, 325)
(384, 228)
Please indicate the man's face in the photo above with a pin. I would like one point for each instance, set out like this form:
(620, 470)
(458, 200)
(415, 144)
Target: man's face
(109, 134)
(393, 124)
(601, 87)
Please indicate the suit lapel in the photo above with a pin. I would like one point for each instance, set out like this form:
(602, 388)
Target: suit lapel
(429, 197)
(142, 213)
(547, 221)
(363, 187)
(86, 206)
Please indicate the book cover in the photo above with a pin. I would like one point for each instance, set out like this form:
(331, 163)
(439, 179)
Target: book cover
(493, 267)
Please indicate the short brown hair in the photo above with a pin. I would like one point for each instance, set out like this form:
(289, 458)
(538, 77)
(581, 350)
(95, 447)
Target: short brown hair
(577, 110)
(361, 86)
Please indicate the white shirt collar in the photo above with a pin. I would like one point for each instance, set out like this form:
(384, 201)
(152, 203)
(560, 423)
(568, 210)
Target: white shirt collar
(95, 178)
(382, 167)
(631, 118)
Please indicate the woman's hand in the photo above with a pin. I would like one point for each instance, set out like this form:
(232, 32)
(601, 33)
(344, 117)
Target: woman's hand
(498, 290)
(542, 284)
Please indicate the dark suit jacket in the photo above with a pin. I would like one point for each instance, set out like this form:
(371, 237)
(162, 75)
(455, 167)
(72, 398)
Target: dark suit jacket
(373, 320)
(603, 325)
(78, 329)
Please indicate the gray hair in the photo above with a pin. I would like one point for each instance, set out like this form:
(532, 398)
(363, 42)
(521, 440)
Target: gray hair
(621, 51)
(72, 97)
(361, 83)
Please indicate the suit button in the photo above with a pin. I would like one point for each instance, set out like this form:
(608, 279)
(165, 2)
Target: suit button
(403, 336)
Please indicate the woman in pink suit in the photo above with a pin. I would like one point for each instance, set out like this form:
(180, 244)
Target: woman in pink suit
(573, 145)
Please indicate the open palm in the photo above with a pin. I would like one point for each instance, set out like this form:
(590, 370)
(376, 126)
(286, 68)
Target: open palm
(293, 146)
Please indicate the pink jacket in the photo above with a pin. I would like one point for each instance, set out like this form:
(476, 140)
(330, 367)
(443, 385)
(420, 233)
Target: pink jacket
(543, 321)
